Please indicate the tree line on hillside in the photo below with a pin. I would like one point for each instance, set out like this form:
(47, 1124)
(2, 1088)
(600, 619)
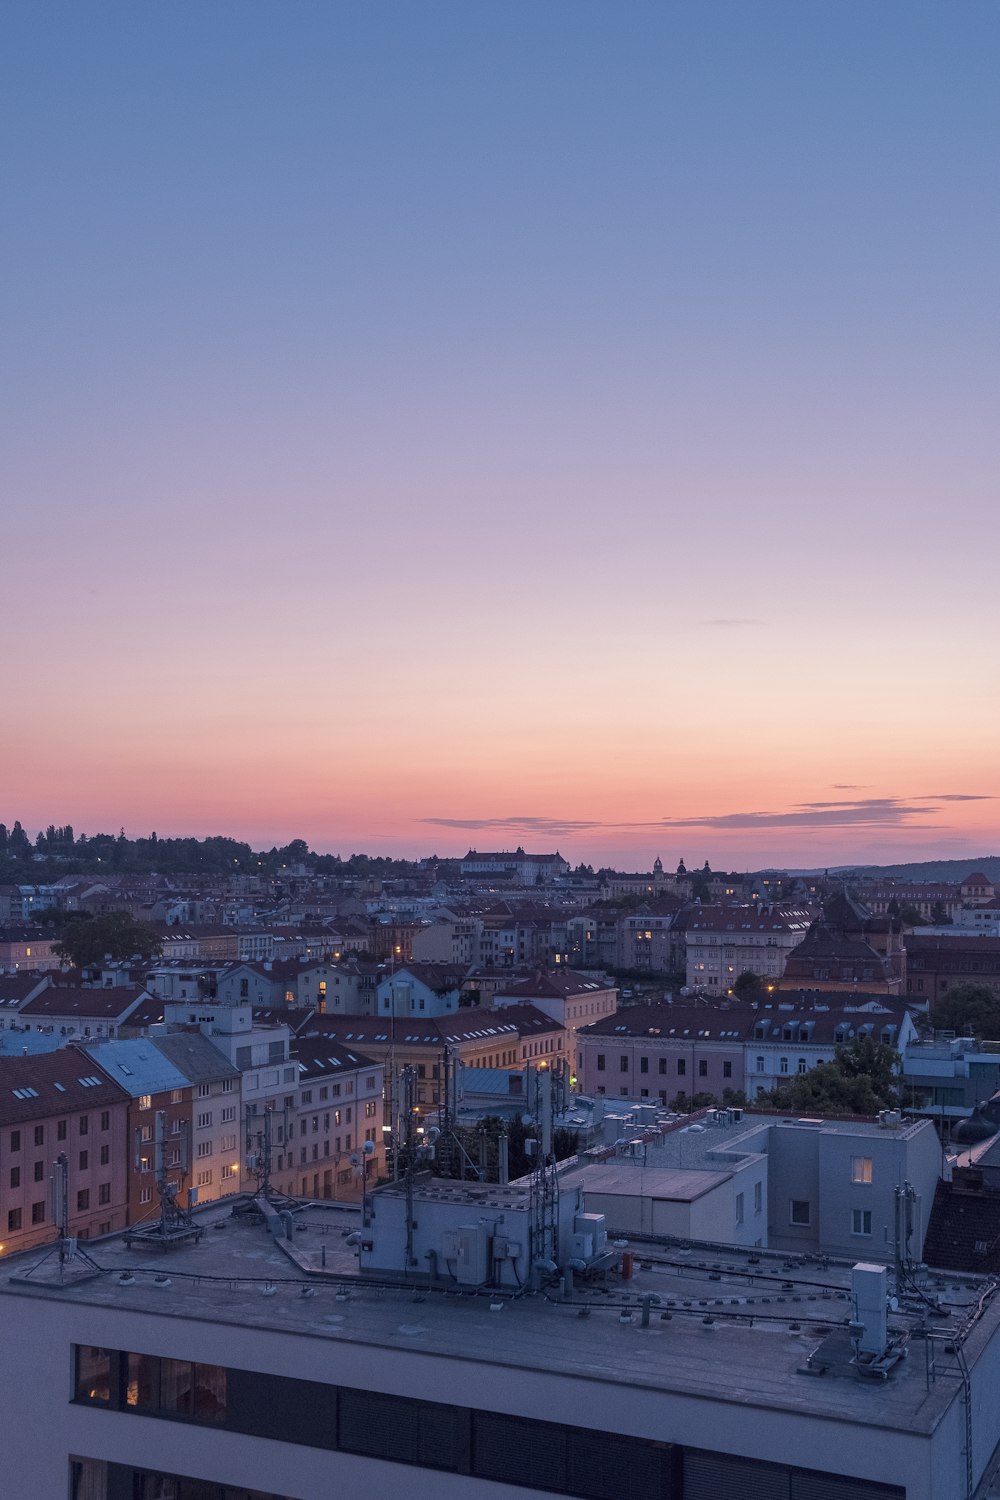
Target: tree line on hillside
(59, 850)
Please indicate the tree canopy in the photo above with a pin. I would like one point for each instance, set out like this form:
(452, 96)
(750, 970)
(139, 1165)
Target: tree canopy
(749, 986)
(860, 1079)
(89, 940)
(969, 1010)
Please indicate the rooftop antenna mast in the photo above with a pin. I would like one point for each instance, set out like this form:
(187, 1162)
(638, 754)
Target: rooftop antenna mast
(543, 1203)
(174, 1225)
(260, 1148)
(67, 1249)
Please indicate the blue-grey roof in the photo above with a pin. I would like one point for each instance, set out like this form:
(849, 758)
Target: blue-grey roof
(137, 1065)
(18, 1043)
(492, 1081)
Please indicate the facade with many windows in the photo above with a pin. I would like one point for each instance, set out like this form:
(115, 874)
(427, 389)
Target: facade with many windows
(724, 942)
(53, 1105)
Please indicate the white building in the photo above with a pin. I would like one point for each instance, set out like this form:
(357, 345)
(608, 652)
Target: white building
(245, 1367)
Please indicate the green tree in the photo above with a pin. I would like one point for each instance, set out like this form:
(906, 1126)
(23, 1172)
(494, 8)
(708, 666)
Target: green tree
(749, 986)
(969, 1009)
(89, 940)
(860, 1079)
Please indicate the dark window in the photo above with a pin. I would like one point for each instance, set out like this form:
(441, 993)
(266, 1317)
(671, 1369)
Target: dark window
(644, 1065)
(13, 1220)
(38, 1212)
(663, 1064)
(105, 1155)
(105, 1120)
(176, 1388)
(512, 1450)
(93, 1375)
(39, 1171)
(703, 1068)
(61, 1130)
(681, 1067)
(416, 1432)
(15, 1177)
(83, 1200)
(600, 1062)
(39, 1135)
(519, 1451)
(727, 1070)
(15, 1140)
(623, 1063)
(84, 1159)
(84, 1124)
(104, 1193)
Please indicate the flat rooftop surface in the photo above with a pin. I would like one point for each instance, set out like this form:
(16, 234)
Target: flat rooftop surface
(678, 1185)
(741, 1325)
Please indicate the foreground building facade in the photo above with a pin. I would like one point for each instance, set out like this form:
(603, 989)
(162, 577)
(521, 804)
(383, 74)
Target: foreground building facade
(223, 1379)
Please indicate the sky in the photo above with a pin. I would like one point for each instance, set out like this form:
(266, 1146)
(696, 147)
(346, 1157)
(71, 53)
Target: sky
(571, 424)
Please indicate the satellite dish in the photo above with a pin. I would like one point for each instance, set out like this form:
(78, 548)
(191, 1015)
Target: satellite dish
(355, 1159)
(368, 1147)
(527, 1119)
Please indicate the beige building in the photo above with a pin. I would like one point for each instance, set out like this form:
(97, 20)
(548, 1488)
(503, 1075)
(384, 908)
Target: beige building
(725, 941)
(571, 999)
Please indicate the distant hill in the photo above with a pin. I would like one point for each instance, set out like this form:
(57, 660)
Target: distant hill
(951, 870)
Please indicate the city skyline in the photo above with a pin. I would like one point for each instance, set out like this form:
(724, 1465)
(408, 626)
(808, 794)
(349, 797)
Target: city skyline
(433, 426)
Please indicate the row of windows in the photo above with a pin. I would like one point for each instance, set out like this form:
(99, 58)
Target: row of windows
(39, 1210)
(624, 1063)
(62, 1127)
(94, 1479)
(39, 1171)
(577, 1461)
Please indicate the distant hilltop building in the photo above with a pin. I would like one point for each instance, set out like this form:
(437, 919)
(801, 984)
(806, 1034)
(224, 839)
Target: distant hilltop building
(637, 883)
(517, 867)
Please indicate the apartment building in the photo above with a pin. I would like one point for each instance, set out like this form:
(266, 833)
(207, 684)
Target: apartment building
(725, 941)
(55, 1104)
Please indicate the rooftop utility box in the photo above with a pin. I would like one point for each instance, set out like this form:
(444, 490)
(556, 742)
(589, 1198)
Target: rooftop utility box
(869, 1294)
(472, 1234)
(595, 1226)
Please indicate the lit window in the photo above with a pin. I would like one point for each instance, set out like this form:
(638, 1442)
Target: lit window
(861, 1169)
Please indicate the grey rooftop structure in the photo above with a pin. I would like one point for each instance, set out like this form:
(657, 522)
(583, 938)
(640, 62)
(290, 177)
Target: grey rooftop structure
(706, 1361)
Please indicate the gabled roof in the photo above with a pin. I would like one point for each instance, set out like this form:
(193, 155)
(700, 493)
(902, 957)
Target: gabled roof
(526, 1019)
(89, 1004)
(137, 1066)
(758, 918)
(693, 1022)
(53, 1083)
(441, 978)
(295, 1017)
(16, 989)
(148, 1012)
(557, 985)
(195, 1057)
(317, 1056)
